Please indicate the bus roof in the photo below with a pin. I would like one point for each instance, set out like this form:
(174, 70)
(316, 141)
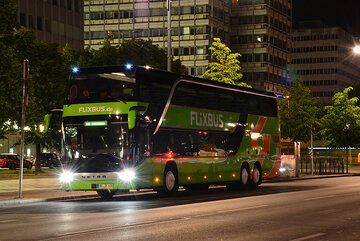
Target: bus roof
(170, 76)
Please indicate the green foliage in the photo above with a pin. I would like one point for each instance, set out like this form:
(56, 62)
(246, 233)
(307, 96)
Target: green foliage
(7, 16)
(298, 113)
(134, 51)
(341, 123)
(226, 67)
(46, 84)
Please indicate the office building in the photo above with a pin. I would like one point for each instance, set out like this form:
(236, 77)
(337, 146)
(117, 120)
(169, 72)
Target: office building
(323, 56)
(260, 32)
(194, 24)
(53, 21)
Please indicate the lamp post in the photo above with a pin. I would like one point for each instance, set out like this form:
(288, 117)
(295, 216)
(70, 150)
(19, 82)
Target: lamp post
(168, 35)
(24, 104)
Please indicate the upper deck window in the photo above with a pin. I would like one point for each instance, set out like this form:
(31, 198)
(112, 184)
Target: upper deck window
(100, 87)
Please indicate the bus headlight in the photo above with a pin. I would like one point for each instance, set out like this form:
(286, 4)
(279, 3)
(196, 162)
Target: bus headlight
(126, 175)
(282, 169)
(66, 177)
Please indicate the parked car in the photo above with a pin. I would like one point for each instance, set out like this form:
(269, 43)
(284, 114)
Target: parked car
(12, 161)
(50, 160)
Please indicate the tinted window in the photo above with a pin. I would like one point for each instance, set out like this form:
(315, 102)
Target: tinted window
(155, 91)
(188, 94)
(101, 87)
(197, 143)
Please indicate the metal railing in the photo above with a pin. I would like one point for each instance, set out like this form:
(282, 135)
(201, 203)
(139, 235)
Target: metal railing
(324, 165)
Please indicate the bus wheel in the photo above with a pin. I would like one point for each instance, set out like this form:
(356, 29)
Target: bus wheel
(170, 180)
(105, 194)
(244, 176)
(256, 177)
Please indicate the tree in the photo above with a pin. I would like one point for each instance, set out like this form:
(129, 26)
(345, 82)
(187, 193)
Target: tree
(7, 24)
(298, 116)
(7, 16)
(134, 51)
(341, 123)
(298, 113)
(226, 67)
(46, 86)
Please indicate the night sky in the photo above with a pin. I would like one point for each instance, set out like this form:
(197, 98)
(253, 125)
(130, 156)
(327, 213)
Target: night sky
(345, 13)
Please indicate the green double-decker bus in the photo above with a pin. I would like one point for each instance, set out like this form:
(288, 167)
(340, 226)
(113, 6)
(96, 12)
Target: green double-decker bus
(129, 127)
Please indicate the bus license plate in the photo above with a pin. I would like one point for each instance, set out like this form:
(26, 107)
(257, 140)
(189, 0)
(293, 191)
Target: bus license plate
(105, 185)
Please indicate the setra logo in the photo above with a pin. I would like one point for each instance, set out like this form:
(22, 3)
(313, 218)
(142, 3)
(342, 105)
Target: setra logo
(95, 109)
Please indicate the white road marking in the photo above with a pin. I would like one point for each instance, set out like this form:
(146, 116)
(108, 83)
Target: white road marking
(142, 224)
(107, 228)
(315, 198)
(329, 211)
(309, 237)
(241, 209)
(8, 221)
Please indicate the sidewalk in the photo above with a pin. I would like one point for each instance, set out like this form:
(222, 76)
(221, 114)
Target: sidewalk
(49, 189)
(36, 190)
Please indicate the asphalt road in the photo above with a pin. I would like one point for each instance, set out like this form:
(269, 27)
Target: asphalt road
(316, 209)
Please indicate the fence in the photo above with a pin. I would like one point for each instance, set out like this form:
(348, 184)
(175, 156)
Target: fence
(324, 165)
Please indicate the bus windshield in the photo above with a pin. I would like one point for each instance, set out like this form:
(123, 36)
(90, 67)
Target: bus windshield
(100, 87)
(105, 147)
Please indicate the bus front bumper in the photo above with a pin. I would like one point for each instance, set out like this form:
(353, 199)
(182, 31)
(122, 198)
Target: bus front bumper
(95, 181)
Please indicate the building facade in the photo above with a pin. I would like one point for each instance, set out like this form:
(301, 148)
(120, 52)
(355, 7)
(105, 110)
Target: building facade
(257, 29)
(53, 21)
(324, 58)
(194, 24)
(260, 32)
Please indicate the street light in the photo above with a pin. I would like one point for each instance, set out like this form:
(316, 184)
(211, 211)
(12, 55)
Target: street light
(356, 49)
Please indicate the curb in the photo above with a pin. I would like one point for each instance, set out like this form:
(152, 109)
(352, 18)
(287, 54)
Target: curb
(37, 200)
(288, 179)
(20, 202)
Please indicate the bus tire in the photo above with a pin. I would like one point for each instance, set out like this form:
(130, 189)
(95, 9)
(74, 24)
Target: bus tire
(256, 176)
(105, 194)
(170, 180)
(244, 176)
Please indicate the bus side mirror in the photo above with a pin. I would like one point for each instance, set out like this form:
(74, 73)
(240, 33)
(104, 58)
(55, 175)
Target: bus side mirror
(132, 118)
(47, 119)
(132, 115)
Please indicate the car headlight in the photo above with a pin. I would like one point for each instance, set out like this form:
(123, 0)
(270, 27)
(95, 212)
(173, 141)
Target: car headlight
(126, 175)
(66, 177)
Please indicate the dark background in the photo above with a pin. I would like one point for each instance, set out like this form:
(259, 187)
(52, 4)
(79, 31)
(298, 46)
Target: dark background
(344, 13)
